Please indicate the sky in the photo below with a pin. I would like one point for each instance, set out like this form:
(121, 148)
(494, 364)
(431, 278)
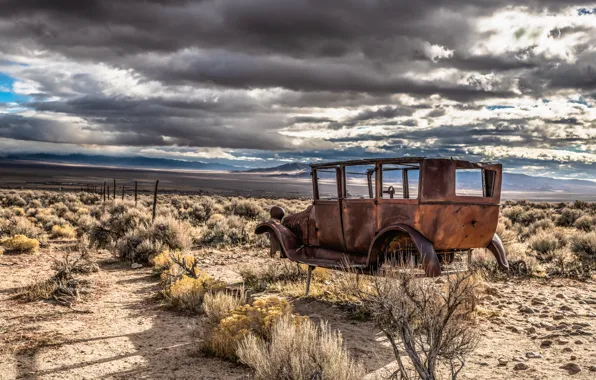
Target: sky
(264, 82)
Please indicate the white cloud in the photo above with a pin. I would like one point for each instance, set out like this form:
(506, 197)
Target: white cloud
(436, 52)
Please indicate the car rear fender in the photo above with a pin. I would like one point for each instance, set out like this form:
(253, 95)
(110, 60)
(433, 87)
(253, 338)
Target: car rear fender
(430, 260)
(498, 250)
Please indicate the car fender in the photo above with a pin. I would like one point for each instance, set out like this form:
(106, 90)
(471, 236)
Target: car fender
(498, 250)
(280, 235)
(430, 260)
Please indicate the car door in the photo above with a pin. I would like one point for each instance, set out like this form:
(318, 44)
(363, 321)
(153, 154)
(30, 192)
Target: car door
(327, 204)
(358, 207)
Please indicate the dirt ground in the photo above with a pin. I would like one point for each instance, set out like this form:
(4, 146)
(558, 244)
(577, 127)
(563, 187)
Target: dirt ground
(123, 330)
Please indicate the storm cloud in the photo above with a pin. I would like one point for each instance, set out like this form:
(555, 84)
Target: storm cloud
(264, 80)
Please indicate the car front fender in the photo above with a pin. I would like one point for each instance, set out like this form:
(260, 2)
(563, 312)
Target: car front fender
(280, 235)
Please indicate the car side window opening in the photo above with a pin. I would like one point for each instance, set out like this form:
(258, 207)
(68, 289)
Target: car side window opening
(470, 183)
(359, 182)
(399, 181)
(327, 184)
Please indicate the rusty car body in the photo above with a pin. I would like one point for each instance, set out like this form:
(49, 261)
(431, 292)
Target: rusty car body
(402, 205)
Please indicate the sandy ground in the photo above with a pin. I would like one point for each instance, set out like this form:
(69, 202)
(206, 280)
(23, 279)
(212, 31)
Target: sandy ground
(122, 330)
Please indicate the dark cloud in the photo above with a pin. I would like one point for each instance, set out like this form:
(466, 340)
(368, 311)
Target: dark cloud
(244, 75)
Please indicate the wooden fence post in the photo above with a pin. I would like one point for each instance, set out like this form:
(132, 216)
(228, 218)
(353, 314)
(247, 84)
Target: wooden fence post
(155, 199)
(108, 193)
(135, 193)
(114, 188)
(104, 191)
(122, 192)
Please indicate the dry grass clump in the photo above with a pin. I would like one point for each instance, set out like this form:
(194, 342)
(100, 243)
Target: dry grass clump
(299, 351)
(20, 244)
(64, 231)
(258, 319)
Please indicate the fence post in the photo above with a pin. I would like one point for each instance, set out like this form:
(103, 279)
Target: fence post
(108, 193)
(114, 189)
(104, 191)
(155, 199)
(135, 193)
(122, 192)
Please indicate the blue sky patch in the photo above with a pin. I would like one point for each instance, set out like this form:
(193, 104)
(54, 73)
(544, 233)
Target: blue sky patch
(492, 108)
(6, 93)
(581, 101)
(586, 11)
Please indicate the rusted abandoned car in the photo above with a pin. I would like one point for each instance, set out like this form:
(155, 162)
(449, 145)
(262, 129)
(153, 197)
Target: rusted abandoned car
(413, 210)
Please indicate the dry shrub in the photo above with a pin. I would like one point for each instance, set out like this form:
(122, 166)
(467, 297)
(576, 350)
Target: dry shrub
(544, 243)
(222, 230)
(299, 351)
(258, 318)
(62, 231)
(142, 243)
(136, 245)
(540, 225)
(568, 217)
(585, 223)
(34, 203)
(20, 225)
(188, 292)
(85, 224)
(20, 244)
(583, 245)
(259, 279)
(430, 322)
(17, 211)
(172, 233)
(217, 306)
(245, 208)
(14, 200)
(185, 285)
(65, 286)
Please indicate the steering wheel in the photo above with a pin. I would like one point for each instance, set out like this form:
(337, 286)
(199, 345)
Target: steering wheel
(391, 191)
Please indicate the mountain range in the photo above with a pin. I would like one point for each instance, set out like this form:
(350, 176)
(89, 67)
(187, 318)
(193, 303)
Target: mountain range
(511, 181)
(133, 161)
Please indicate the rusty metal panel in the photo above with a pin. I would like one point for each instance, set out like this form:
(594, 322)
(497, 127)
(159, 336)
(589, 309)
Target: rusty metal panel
(457, 226)
(328, 224)
(359, 223)
(396, 211)
(438, 179)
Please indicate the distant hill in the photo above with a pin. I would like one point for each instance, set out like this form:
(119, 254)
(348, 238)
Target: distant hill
(133, 161)
(294, 167)
(511, 181)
